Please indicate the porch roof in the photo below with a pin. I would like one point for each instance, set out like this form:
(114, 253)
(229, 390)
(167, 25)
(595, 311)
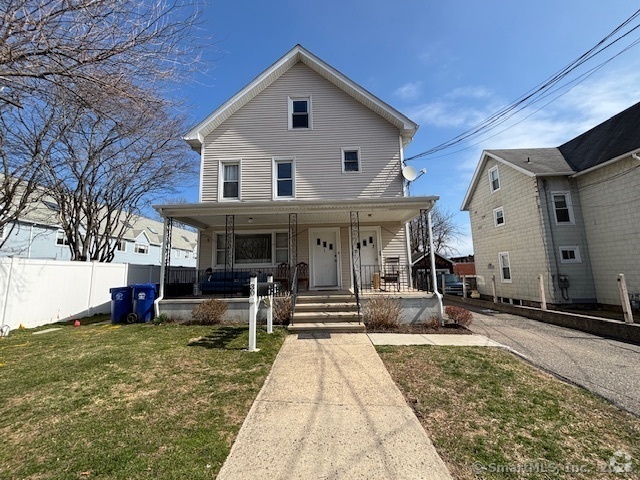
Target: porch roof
(372, 210)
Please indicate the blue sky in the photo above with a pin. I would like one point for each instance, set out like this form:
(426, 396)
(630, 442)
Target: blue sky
(446, 65)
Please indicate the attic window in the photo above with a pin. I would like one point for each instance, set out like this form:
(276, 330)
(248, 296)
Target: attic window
(494, 179)
(299, 113)
(51, 205)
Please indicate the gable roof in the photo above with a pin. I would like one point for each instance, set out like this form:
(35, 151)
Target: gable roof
(533, 162)
(613, 138)
(297, 54)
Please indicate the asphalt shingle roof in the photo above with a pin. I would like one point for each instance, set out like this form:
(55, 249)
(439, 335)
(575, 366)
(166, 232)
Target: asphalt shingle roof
(535, 160)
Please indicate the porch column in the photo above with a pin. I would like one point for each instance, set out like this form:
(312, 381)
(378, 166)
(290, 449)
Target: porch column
(229, 242)
(355, 249)
(424, 239)
(293, 240)
(165, 261)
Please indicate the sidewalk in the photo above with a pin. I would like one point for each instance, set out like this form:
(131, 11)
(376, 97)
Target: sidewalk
(330, 410)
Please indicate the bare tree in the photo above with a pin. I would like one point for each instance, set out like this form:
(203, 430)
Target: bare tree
(445, 231)
(108, 165)
(103, 42)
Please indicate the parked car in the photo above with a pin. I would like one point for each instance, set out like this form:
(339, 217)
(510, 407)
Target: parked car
(452, 284)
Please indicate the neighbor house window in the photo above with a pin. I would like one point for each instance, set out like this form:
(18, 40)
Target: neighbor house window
(570, 254)
(494, 179)
(498, 216)
(230, 180)
(562, 207)
(299, 113)
(351, 160)
(141, 248)
(505, 267)
(121, 246)
(61, 238)
(284, 178)
(255, 248)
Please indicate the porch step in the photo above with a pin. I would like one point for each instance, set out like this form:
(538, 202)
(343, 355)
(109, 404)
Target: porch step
(342, 327)
(326, 312)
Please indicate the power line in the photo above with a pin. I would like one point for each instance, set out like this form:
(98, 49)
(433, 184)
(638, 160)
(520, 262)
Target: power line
(541, 91)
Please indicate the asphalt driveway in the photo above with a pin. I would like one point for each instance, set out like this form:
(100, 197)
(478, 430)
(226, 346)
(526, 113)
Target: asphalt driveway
(607, 367)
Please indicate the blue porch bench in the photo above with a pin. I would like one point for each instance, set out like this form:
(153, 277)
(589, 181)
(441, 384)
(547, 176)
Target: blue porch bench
(228, 282)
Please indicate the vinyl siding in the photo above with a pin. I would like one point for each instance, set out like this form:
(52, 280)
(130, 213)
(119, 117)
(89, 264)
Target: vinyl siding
(259, 131)
(612, 223)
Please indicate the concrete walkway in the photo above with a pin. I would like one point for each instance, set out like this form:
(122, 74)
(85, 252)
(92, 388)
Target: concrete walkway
(330, 410)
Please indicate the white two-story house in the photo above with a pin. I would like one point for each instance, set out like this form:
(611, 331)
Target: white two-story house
(302, 168)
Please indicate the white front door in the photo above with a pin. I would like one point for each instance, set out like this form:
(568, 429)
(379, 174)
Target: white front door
(369, 255)
(323, 248)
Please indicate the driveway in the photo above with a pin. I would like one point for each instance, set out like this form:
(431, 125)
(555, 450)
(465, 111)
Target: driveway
(606, 367)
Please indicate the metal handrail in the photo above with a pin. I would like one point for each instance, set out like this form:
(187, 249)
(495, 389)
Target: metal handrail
(356, 293)
(294, 292)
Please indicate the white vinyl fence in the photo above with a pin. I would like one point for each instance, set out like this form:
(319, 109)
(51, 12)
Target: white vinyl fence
(38, 292)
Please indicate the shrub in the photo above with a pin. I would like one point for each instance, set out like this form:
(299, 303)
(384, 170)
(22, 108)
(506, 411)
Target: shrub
(432, 322)
(282, 309)
(382, 313)
(459, 315)
(209, 312)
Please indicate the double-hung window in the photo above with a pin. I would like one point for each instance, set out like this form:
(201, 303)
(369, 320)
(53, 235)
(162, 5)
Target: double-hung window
(230, 180)
(255, 248)
(562, 207)
(350, 159)
(283, 178)
(141, 248)
(494, 179)
(498, 216)
(505, 267)
(61, 238)
(300, 113)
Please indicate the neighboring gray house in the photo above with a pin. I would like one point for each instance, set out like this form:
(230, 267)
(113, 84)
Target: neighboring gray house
(304, 166)
(37, 234)
(570, 213)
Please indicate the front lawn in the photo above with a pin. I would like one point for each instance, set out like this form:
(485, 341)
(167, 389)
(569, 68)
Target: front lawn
(491, 415)
(133, 401)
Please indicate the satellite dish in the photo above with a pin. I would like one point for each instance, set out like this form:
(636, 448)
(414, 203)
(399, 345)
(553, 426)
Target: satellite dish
(409, 173)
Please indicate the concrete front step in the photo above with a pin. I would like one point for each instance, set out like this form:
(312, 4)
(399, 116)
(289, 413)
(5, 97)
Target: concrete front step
(326, 307)
(325, 298)
(331, 317)
(341, 327)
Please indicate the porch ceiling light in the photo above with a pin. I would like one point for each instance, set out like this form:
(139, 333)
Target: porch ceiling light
(250, 219)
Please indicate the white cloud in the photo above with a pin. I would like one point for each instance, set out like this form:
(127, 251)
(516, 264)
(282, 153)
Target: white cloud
(409, 91)
(470, 92)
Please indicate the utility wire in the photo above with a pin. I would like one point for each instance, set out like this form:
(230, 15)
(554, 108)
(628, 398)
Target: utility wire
(540, 91)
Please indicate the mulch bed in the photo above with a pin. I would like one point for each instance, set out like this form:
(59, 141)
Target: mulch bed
(450, 328)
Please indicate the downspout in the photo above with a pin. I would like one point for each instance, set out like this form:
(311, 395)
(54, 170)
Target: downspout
(30, 239)
(434, 278)
(165, 230)
(554, 276)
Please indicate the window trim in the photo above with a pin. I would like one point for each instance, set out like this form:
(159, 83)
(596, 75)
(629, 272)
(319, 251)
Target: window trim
(352, 149)
(567, 197)
(494, 169)
(298, 98)
(65, 240)
(500, 257)
(136, 246)
(121, 246)
(248, 232)
(495, 217)
(221, 165)
(575, 249)
(274, 177)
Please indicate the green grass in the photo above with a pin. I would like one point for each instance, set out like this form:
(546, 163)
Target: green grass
(484, 406)
(133, 401)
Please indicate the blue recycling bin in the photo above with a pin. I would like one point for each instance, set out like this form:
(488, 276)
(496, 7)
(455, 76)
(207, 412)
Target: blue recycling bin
(143, 296)
(121, 304)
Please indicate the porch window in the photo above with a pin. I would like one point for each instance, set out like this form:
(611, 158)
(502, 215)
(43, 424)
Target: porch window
(505, 267)
(562, 207)
(351, 160)
(230, 180)
(255, 248)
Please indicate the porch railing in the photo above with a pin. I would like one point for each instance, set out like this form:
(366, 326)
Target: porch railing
(356, 293)
(391, 278)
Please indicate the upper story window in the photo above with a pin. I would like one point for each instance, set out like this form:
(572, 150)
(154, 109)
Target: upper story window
(229, 184)
(283, 178)
(300, 113)
(141, 248)
(562, 207)
(494, 179)
(121, 246)
(570, 254)
(351, 160)
(505, 267)
(61, 238)
(498, 216)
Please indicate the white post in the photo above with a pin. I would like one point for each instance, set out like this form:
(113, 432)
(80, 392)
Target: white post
(253, 312)
(624, 299)
(6, 293)
(270, 308)
(464, 287)
(493, 286)
(434, 278)
(543, 297)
